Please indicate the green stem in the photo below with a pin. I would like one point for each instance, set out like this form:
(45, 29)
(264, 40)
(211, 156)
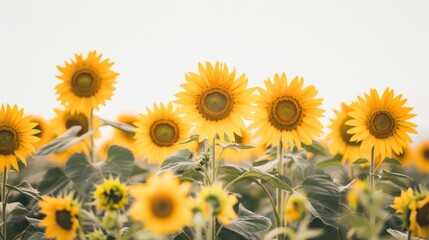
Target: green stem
(4, 203)
(371, 187)
(409, 235)
(279, 194)
(213, 182)
(273, 204)
(91, 127)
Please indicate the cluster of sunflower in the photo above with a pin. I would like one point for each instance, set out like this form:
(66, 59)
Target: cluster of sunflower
(208, 161)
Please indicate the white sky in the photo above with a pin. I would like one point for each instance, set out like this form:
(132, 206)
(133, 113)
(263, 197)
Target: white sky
(342, 47)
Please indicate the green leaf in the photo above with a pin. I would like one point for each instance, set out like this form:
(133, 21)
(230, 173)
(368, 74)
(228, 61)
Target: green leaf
(361, 161)
(180, 161)
(15, 208)
(26, 189)
(121, 126)
(400, 235)
(392, 161)
(228, 234)
(229, 172)
(235, 146)
(80, 171)
(37, 236)
(317, 148)
(249, 223)
(395, 178)
(333, 161)
(122, 159)
(255, 173)
(53, 181)
(191, 139)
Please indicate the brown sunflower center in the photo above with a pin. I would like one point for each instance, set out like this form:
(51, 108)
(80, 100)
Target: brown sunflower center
(422, 217)
(78, 120)
(382, 124)
(426, 154)
(9, 140)
(162, 207)
(215, 104)
(214, 203)
(85, 83)
(285, 113)
(164, 132)
(64, 219)
(113, 196)
(347, 136)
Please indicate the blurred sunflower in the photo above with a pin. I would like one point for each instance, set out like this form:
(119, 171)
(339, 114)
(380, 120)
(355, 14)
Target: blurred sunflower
(162, 204)
(400, 204)
(341, 144)
(122, 138)
(215, 101)
(357, 190)
(45, 133)
(295, 208)
(239, 156)
(421, 156)
(17, 137)
(159, 131)
(287, 112)
(61, 217)
(86, 83)
(381, 123)
(220, 203)
(419, 217)
(111, 195)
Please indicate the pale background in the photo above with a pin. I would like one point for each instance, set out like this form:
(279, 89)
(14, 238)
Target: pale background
(342, 47)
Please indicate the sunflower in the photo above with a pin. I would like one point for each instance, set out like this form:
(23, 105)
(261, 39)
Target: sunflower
(220, 203)
(159, 131)
(340, 139)
(86, 83)
(356, 191)
(122, 138)
(419, 217)
(400, 204)
(215, 101)
(65, 120)
(111, 195)
(421, 156)
(17, 137)
(381, 123)
(287, 112)
(406, 157)
(45, 133)
(61, 217)
(239, 156)
(162, 204)
(295, 208)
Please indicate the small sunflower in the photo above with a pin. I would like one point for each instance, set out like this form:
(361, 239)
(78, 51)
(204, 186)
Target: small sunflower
(400, 204)
(61, 217)
(421, 156)
(220, 203)
(295, 208)
(111, 195)
(287, 112)
(239, 156)
(381, 123)
(162, 204)
(86, 83)
(159, 131)
(419, 217)
(45, 133)
(122, 138)
(341, 144)
(17, 137)
(215, 101)
(358, 188)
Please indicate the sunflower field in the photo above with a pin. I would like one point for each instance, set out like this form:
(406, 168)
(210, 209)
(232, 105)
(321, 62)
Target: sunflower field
(222, 161)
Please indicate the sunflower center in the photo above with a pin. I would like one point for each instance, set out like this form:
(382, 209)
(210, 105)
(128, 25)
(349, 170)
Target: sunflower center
(422, 217)
(426, 154)
(215, 104)
(164, 132)
(9, 141)
(64, 219)
(162, 208)
(78, 120)
(84, 83)
(382, 124)
(347, 136)
(285, 113)
(113, 196)
(215, 204)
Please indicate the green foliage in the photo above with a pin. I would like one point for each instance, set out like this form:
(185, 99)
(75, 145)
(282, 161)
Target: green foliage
(249, 224)
(316, 148)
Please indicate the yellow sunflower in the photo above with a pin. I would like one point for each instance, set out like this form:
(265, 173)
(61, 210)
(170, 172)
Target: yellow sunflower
(17, 137)
(239, 156)
(159, 131)
(61, 217)
(215, 101)
(45, 133)
(400, 204)
(65, 120)
(123, 138)
(295, 208)
(162, 204)
(220, 203)
(406, 157)
(340, 139)
(381, 123)
(357, 189)
(287, 112)
(419, 217)
(421, 156)
(86, 83)
(111, 195)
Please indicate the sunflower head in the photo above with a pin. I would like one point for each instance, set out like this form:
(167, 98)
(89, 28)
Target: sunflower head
(421, 156)
(357, 190)
(61, 217)
(17, 137)
(86, 82)
(220, 203)
(215, 101)
(401, 206)
(295, 208)
(159, 131)
(419, 216)
(45, 133)
(162, 204)
(111, 195)
(287, 112)
(381, 123)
